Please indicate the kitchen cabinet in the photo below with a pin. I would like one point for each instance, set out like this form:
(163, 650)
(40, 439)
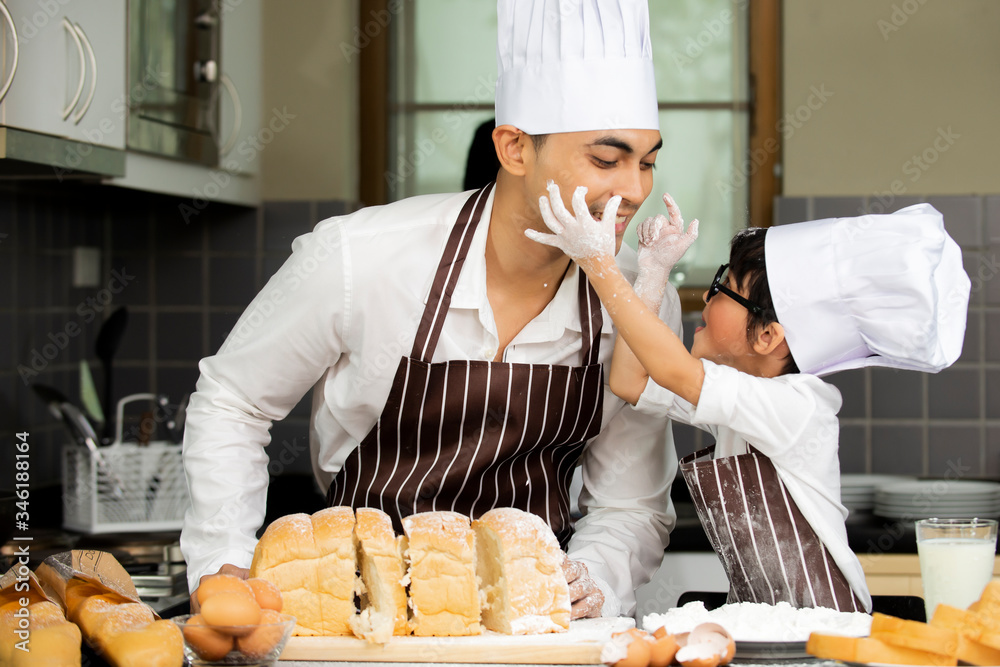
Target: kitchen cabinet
(69, 76)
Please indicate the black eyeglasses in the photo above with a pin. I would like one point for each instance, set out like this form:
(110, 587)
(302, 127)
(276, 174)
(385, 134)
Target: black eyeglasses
(717, 287)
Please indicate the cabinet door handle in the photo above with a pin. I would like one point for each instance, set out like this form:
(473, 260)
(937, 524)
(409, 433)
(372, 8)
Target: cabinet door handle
(78, 116)
(83, 68)
(237, 115)
(13, 31)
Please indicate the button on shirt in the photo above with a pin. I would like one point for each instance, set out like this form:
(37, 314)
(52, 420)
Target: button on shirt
(336, 318)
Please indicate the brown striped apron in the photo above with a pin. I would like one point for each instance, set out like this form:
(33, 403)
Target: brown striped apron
(469, 435)
(768, 549)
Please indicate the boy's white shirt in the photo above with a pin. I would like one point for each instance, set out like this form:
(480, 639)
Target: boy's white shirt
(791, 419)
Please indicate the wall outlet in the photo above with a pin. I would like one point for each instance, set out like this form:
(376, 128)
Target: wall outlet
(86, 266)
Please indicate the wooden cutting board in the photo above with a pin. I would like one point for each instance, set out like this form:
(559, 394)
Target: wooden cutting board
(581, 644)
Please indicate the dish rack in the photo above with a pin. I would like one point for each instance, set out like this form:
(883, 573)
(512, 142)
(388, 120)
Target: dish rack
(125, 487)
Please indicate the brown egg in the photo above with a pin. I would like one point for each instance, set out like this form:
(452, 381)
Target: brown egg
(264, 638)
(664, 649)
(226, 609)
(715, 635)
(208, 643)
(219, 583)
(267, 594)
(638, 650)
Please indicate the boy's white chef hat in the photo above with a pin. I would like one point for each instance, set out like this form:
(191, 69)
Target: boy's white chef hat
(575, 65)
(875, 290)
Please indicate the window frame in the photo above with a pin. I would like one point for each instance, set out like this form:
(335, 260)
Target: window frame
(764, 62)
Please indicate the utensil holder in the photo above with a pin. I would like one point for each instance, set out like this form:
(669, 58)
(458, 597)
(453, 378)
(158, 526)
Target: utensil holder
(153, 496)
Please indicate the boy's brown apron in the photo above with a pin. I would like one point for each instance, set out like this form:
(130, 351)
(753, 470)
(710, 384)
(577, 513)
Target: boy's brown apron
(468, 435)
(767, 547)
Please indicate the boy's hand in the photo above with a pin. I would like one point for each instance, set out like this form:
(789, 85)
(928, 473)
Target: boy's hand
(577, 234)
(662, 242)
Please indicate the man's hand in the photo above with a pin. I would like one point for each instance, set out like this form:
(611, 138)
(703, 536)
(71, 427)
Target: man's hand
(577, 234)
(241, 572)
(587, 598)
(662, 243)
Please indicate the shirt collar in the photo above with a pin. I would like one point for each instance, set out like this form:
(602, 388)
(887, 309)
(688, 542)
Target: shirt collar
(470, 290)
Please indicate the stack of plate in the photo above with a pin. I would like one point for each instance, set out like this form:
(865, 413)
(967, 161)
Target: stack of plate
(857, 492)
(945, 499)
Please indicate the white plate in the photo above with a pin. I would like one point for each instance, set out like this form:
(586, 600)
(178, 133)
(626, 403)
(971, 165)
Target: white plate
(770, 650)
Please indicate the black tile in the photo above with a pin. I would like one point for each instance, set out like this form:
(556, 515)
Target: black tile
(178, 337)
(880, 204)
(992, 468)
(897, 393)
(130, 228)
(283, 221)
(952, 448)
(332, 208)
(992, 394)
(289, 448)
(788, 210)
(954, 394)
(8, 278)
(992, 336)
(853, 449)
(970, 348)
(172, 234)
(130, 379)
(6, 341)
(685, 441)
(219, 326)
(9, 422)
(135, 339)
(897, 450)
(852, 390)
(303, 408)
(232, 281)
(837, 207)
(176, 383)
(236, 232)
(179, 281)
(274, 262)
(130, 280)
(992, 214)
(963, 218)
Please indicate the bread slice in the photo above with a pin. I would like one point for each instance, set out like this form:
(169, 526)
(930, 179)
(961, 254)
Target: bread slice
(441, 558)
(311, 559)
(520, 566)
(866, 649)
(383, 604)
(911, 634)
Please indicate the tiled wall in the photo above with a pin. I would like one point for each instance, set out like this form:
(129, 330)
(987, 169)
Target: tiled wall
(904, 422)
(184, 285)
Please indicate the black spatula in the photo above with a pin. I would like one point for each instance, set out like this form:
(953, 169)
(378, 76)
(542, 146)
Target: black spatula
(106, 346)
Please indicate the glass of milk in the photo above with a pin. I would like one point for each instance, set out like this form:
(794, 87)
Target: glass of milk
(956, 560)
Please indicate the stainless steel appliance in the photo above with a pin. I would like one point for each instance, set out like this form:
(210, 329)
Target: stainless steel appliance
(173, 74)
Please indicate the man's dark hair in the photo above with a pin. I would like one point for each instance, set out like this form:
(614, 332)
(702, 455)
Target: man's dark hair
(538, 140)
(746, 265)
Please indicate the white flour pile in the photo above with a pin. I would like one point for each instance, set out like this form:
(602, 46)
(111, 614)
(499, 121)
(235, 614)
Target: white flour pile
(754, 622)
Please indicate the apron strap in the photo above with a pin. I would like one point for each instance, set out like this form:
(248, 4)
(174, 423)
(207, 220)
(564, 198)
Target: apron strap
(447, 275)
(590, 326)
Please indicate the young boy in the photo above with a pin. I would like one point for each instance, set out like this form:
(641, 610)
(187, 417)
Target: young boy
(794, 302)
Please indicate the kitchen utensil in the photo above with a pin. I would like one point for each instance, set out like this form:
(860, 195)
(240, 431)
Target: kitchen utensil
(86, 432)
(88, 394)
(54, 400)
(175, 425)
(106, 346)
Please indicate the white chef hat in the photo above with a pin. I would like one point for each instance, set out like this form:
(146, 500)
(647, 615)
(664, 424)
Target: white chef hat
(575, 65)
(875, 290)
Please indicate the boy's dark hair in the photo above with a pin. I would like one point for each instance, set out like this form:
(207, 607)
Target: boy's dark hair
(746, 264)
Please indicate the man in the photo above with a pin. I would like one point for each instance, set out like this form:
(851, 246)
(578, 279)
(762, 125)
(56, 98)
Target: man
(456, 364)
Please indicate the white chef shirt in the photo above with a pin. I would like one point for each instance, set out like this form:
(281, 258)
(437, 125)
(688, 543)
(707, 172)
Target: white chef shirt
(337, 316)
(792, 420)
